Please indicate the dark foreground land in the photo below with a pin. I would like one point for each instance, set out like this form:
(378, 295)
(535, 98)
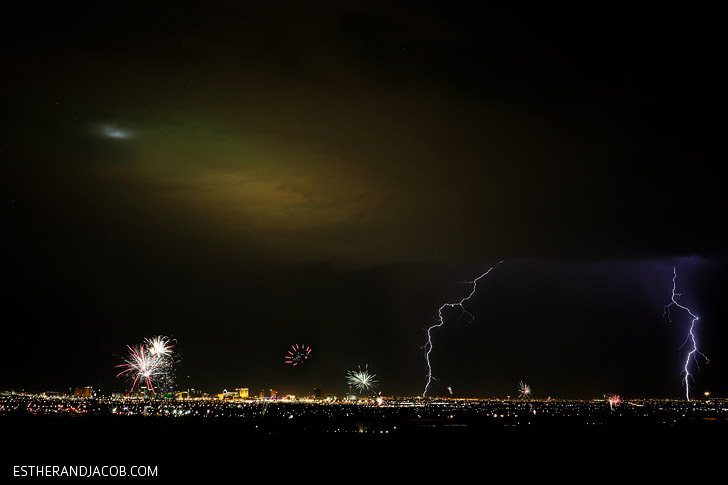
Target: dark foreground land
(314, 442)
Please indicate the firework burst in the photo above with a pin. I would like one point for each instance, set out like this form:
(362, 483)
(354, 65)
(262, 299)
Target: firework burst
(362, 380)
(614, 401)
(297, 354)
(159, 345)
(524, 390)
(151, 363)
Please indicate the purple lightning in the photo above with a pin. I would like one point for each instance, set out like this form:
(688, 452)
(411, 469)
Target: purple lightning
(690, 339)
(441, 322)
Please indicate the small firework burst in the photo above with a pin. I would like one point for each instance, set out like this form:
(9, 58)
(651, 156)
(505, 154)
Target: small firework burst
(297, 354)
(362, 380)
(613, 401)
(524, 390)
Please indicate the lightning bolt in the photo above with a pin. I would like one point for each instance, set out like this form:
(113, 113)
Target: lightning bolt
(441, 321)
(689, 339)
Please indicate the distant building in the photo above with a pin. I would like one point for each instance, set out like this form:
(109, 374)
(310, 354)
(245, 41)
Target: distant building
(190, 394)
(316, 393)
(87, 391)
(273, 393)
(142, 392)
(54, 394)
(236, 394)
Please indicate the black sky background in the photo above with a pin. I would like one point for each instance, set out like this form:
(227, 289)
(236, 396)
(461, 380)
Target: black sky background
(242, 178)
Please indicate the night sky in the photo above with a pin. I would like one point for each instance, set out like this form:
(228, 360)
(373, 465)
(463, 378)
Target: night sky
(242, 178)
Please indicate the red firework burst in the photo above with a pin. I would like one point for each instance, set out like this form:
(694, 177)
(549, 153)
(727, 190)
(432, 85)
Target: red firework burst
(297, 354)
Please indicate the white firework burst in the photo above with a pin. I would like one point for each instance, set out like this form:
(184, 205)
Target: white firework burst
(362, 379)
(159, 345)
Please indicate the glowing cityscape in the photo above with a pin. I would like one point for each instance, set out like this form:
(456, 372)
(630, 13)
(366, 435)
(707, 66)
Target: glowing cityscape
(408, 241)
